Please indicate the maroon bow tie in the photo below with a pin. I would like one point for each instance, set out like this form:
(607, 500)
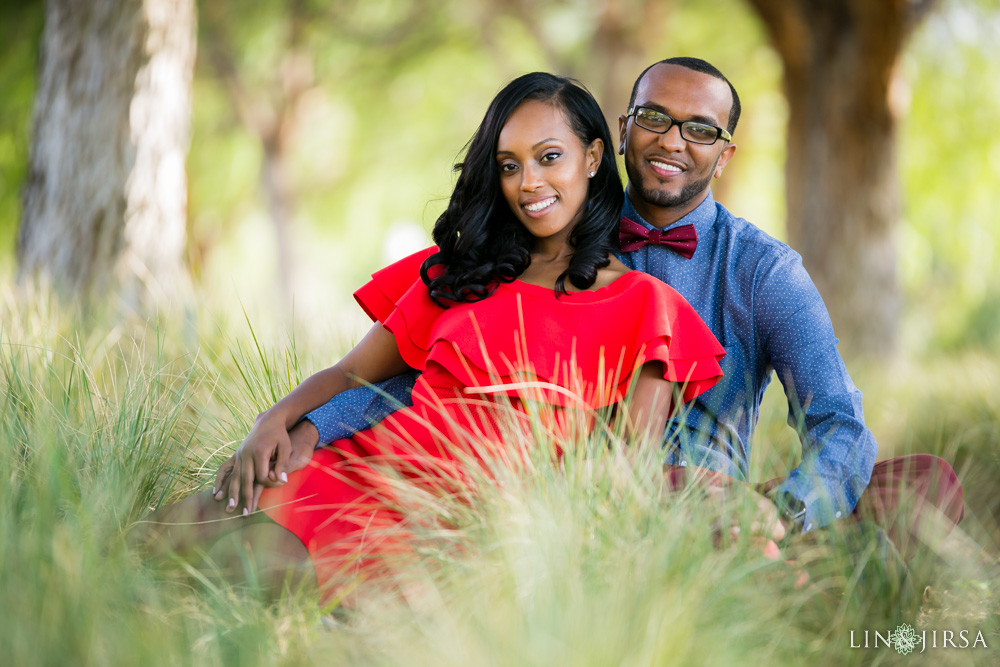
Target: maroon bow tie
(683, 240)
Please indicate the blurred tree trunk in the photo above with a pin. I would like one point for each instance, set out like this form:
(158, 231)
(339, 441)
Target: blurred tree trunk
(269, 109)
(624, 35)
(105, 203)
(843, 195)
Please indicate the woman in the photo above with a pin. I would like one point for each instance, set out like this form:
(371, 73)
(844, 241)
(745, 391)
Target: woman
(522, 299)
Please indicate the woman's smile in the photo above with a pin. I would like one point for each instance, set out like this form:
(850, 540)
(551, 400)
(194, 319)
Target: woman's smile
(539, 207)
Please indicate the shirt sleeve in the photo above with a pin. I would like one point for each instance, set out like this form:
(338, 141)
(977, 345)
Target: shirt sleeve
(824, 405)
(357, 409)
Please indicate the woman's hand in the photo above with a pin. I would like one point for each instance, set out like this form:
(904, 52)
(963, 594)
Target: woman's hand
(303, 438)
(374, 359)
(267, 441)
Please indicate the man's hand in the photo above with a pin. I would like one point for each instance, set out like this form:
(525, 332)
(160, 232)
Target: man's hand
(728, 498)
(305, 438)
(765, 523)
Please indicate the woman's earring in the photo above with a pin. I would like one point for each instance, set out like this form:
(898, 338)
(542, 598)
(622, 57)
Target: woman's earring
(591, 174)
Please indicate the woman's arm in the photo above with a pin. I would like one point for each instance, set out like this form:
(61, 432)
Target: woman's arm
(649, 407)
(374, 359)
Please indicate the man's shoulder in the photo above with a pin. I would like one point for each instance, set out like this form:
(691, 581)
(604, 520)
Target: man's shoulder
(744, 233)
(750, 248)
(754, 257)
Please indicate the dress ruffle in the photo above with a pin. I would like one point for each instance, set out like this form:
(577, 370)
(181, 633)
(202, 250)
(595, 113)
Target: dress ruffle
(379, 295)
(484, 346)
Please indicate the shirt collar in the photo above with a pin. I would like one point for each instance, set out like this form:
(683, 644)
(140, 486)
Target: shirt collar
(704, 214)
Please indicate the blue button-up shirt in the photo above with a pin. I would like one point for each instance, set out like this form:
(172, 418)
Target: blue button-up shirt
(760, 303)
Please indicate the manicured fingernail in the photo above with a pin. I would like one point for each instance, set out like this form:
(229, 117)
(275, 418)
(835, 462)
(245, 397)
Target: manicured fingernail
(232, 503)
(245, 511)
(213, 490)
(284, 477)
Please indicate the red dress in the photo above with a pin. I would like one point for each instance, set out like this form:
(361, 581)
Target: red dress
(520, 346)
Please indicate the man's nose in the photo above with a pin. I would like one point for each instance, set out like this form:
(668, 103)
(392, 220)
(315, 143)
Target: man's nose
(672, 140)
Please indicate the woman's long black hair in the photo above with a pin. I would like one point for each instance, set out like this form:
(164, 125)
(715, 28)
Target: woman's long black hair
(481, 243)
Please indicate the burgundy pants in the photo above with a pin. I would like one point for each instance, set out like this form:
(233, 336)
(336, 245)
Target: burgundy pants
(903, 492)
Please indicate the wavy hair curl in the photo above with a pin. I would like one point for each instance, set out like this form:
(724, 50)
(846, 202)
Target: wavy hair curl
(480, 241)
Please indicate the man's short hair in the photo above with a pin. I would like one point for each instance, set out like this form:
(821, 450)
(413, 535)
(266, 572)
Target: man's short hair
(698, 65)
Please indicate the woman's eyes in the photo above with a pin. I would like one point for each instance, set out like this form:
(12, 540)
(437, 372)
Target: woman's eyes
(509, 167)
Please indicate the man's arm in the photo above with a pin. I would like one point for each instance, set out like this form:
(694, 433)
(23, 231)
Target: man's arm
(796, 337)
(361, 407)
(375, 358)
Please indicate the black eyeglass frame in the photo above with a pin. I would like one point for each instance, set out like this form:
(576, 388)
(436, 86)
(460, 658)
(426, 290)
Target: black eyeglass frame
(720, 133)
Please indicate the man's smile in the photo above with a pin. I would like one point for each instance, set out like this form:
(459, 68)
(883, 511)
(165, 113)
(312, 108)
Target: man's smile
(665, 169)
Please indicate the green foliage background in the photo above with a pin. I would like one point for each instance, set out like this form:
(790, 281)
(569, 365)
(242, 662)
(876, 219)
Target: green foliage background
(581, 567)
(397, 87)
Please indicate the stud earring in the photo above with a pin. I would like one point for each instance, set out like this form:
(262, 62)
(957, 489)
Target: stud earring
(591, 174)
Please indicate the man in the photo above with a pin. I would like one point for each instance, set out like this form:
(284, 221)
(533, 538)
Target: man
(750, 289)
(755, 296)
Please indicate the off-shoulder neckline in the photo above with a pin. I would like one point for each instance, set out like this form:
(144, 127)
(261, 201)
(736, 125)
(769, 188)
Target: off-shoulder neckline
(613, 287)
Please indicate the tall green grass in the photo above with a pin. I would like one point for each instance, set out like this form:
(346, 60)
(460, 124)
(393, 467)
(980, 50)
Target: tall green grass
(583, 561)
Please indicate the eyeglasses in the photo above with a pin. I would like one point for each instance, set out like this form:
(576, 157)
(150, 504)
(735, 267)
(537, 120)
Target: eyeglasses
(691, 130)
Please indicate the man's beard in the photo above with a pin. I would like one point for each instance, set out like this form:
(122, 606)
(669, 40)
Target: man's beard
(665, 199)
